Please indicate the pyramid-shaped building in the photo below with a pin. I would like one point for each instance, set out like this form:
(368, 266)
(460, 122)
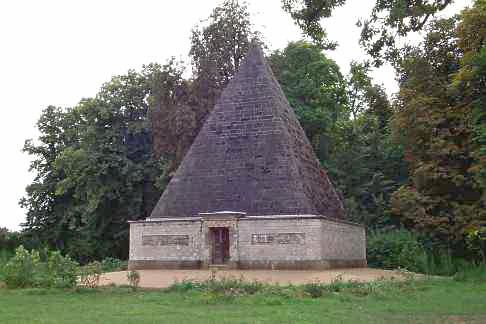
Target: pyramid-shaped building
(250, 192)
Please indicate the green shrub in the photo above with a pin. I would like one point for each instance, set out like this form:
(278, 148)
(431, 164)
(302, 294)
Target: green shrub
(472, 272)
(441, 263)
(395, 249)
(62, 271)
(23, 269)
(5, 255)
(225, 285)
(113, 264)
(336, 284)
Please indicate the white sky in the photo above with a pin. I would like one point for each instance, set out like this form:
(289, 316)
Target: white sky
(55, 52)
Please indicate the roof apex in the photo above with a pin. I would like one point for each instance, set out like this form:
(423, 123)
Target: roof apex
(250, 155)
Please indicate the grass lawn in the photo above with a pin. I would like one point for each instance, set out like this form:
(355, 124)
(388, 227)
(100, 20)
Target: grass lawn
(427, 301)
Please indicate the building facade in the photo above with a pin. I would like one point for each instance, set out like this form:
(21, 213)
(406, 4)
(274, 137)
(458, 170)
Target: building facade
(246, 242)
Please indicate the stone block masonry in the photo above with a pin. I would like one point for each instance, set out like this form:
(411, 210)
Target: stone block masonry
(251, 155)
(302, 242)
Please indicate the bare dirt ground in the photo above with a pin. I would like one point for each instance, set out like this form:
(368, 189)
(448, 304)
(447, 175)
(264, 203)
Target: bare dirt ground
(163, 278)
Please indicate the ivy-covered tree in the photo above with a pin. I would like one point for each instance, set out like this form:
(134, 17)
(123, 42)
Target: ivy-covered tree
(179, 107)
(173, 112)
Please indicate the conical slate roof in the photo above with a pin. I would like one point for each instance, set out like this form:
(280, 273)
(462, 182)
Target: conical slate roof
(250, 156)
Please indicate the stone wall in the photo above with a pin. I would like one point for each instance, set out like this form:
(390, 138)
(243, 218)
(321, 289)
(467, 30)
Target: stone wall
(174, 244)
(342, 241)
(256, 242)
(300, 243)
(279, 243)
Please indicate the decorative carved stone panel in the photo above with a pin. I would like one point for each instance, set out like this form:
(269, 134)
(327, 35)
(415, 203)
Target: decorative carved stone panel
(278, 238)
(160, 240)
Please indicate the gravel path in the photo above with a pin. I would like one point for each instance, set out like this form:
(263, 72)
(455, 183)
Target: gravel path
(163, 278)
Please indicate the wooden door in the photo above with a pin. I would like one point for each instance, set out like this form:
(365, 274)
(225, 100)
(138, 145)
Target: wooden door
(220, 245)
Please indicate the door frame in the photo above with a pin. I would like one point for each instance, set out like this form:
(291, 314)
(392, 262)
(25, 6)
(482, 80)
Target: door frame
(222, 234)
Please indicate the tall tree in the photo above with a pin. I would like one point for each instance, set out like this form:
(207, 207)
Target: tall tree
(173, 111)
(471, 79)
(44, 207)
(443, 196)
(180, 107)
(358, 84)
(366, 165)
(221, 42)
(365, 96)
(315, 89)
(95, 171)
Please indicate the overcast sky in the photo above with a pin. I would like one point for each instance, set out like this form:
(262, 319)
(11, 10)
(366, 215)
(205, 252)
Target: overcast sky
(55, 52)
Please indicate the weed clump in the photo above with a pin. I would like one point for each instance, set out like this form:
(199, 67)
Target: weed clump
(226, 289)
(133, 277)
(89, 275)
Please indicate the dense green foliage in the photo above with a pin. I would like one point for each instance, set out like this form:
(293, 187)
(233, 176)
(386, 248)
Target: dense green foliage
(9, 240)
(315, 89)
(50, 269)
(470, 81)
(95, 171)
(346, 120)
(394, 249)
(427, 301)
(437, 122)
(26, 269)
(219, 46)
(111, 264)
